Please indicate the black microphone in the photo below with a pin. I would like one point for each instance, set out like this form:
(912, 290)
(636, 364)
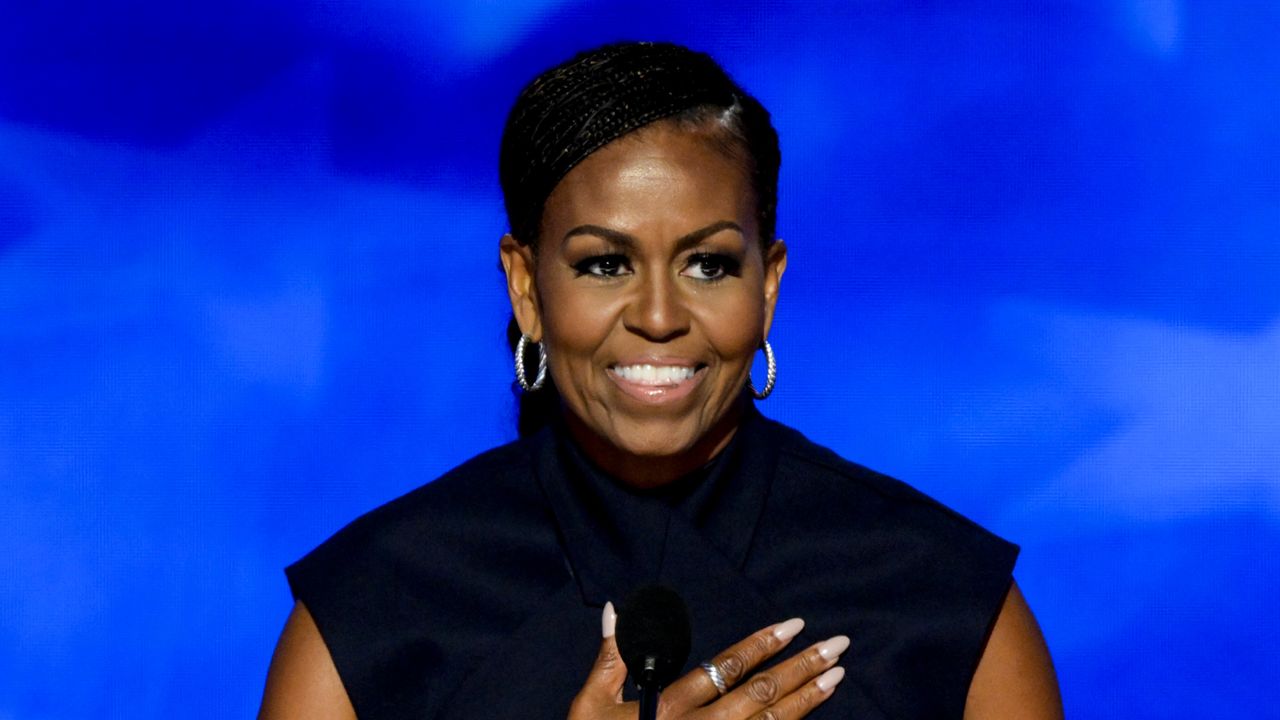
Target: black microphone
(653, 637)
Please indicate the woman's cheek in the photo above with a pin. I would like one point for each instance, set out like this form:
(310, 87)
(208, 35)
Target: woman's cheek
(734, 326)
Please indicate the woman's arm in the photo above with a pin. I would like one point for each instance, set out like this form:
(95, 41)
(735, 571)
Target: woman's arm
(1015, 678)
(302, 681)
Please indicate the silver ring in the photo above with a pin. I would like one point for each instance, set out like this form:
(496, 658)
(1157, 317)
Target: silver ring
(717, 678)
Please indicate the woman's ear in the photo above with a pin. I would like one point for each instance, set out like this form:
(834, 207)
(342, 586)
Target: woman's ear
(775, 264)
(518, 263)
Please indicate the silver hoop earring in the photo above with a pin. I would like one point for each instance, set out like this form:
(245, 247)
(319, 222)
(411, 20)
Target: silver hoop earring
(542, 365)
(770, 379)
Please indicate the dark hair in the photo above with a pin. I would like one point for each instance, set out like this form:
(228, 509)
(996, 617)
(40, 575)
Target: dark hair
(583, 104)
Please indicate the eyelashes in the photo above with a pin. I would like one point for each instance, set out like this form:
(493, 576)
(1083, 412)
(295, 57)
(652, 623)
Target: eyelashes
(712, 266)
(602, 265)
(704, 266)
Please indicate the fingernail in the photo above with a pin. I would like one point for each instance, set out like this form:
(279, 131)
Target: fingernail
(608, 620)
(830, 679)
(831, 649)
(789, 629)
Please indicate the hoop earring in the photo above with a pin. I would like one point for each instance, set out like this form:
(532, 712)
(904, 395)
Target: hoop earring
(542, 365)
(771, 378)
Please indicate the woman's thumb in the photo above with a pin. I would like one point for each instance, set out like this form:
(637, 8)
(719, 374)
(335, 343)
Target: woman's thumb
(604, 685)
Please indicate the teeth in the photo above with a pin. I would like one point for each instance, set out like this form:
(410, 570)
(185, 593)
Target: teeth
(654, 374)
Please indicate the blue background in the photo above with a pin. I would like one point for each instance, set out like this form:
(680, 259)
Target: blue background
(249, 289)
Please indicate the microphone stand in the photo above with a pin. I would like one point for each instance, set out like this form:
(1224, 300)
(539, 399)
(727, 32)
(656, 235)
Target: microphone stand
(648, 704)
(649, 690)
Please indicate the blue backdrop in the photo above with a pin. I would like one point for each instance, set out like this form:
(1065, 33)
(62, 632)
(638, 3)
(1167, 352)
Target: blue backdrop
(249, 289)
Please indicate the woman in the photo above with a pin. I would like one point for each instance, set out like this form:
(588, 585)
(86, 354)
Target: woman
(643, 272)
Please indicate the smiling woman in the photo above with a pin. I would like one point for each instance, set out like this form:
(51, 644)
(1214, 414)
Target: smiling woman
(651, 291)
(641, 184)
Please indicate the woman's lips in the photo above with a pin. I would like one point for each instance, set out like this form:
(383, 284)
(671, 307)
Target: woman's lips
(657, 384)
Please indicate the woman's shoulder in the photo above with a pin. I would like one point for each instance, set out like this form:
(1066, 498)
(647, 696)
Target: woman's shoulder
(868, 555)
(442, 521)
(823, 480)
(495, 478)
(432, 575)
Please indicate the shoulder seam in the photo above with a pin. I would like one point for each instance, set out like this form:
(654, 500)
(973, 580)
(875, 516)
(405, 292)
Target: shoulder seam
(897, 490)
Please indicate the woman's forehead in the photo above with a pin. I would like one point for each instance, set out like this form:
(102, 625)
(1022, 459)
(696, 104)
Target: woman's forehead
(660, 176)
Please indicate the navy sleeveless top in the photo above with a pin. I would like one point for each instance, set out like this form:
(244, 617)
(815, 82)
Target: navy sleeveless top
(479, 594)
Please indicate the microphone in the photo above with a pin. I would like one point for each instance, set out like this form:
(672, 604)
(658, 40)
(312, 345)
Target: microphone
(654, 637)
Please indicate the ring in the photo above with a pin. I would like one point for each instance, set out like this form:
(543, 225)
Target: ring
(717, 678)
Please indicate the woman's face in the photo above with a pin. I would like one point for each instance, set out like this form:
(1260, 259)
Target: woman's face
(651, 293)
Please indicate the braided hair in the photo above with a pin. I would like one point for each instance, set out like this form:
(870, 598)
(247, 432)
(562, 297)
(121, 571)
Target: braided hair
(596, 97)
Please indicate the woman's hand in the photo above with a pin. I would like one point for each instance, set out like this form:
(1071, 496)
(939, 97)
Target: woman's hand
(789, 690)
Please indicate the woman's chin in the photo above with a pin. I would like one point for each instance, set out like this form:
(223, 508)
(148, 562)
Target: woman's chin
(635, 441)
(660, 440)
(626, 443)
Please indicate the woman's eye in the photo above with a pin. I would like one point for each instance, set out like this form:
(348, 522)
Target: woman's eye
(602, 265)
(709, 266)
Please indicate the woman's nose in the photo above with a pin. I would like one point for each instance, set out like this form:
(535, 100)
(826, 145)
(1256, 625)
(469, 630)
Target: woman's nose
(657, 311)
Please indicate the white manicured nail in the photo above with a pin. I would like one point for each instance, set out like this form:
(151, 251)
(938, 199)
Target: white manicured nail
(830, 679)
(786, 630)
(608, 620)
(831, 649)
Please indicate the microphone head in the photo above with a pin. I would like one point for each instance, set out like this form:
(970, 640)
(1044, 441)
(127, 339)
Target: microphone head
(653, 635)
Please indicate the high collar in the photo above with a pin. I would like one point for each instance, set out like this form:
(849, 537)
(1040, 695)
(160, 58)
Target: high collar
(696, 541)
(617, 538)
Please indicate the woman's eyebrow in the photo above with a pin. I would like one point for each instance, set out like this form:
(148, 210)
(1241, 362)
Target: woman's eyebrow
(613, 236)
(628, 241)
(698, 236)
